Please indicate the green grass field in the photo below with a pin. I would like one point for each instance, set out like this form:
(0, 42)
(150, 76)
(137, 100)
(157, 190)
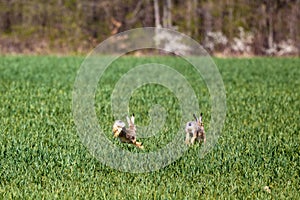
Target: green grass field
(41, 155)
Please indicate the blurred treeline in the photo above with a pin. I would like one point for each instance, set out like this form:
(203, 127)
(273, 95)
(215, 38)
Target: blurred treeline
(226, 27)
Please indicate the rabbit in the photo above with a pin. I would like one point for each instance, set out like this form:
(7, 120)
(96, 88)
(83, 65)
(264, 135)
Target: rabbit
(124, 134)
(195, 130)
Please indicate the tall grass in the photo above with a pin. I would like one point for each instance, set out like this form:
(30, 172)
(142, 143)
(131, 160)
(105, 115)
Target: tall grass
(41, 155)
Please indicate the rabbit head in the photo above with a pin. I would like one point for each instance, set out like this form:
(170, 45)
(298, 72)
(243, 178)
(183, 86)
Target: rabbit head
(118, 127)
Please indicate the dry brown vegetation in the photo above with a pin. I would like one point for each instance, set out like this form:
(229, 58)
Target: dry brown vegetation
(229, 27)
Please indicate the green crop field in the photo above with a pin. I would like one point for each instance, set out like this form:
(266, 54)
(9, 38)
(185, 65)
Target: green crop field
(257, 156)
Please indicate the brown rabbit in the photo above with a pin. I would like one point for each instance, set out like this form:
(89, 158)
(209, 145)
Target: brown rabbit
(126, 135)
(195, 130)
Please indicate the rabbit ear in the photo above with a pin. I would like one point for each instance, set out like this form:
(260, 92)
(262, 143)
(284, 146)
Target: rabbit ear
(200, 118)
(195, 117)
(128, 120)
(132, 118)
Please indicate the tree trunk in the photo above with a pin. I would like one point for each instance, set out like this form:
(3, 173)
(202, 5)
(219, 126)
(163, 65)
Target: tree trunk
(169, 13)
(7, 19)
(207, 19)
(270, 30)
(156, 14)
(148, 20)
(189, 17)
(167, 16)
(297, 31)
(269, 23)
(195, 18)
(230, 19)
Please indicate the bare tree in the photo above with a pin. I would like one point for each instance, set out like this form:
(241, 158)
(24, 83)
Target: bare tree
(269, 22)
(156, 14)
(189, 17)
(6, 18)
(167, 14)
(195, 18)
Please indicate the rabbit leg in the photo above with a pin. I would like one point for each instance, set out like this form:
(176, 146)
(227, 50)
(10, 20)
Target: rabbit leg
(198, 139)
(202, 137)
(139, 145)
(193, 138)
(187, 138)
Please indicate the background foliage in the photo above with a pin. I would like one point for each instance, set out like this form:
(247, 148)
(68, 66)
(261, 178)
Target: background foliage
(230, 27)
